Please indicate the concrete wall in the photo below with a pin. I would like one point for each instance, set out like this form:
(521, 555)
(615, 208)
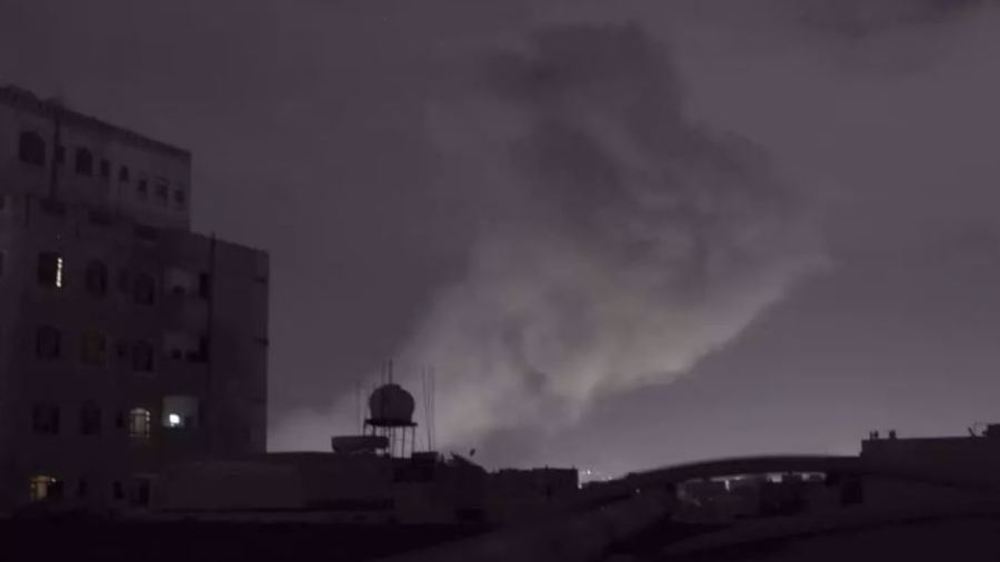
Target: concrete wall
(229, 382)
(146, 160)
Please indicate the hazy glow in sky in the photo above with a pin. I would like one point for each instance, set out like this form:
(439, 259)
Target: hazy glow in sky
(862, 132)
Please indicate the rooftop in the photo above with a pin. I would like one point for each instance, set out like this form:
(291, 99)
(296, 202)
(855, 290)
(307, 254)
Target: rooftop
(26, 100)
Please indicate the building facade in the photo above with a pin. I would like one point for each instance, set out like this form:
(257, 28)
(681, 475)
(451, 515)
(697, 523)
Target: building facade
(127, 342)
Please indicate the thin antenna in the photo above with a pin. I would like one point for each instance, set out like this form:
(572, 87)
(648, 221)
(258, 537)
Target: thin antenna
(360, 405)
(432, 422)
(425, 386)
(390, 371)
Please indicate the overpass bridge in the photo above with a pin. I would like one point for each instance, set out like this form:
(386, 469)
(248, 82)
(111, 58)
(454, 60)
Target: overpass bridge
(606, 516)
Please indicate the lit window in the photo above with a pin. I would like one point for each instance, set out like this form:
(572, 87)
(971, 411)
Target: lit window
(50, 270)
(139, 423)
(180, 412)
(43, 487)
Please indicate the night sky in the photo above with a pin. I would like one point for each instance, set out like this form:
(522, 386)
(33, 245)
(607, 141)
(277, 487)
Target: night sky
(622, 234)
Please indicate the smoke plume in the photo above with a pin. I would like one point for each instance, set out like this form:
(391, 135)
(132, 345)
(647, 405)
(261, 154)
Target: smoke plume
(618, 241)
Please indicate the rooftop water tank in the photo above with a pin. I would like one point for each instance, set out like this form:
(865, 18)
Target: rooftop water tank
(391, 405)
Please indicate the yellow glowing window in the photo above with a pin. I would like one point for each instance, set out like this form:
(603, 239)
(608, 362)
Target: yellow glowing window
(41, 487)
(139, 423)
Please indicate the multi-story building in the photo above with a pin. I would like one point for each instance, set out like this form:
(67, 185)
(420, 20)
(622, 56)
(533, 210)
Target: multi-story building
(127, 342)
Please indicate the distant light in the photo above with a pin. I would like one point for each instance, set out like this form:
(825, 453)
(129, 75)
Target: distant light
(59, 271)
(174, 420)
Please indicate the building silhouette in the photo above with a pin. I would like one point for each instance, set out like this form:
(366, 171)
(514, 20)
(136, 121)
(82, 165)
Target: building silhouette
(127, 342)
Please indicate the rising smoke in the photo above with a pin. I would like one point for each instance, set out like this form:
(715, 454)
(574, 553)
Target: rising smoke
(619, 241)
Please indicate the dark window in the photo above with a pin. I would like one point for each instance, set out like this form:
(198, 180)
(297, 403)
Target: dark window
(124, 281)
(142, 189)
(142, 357)
(84, 162)
(47, 342)
(60, 154)
(204, 285)
(90, 419)
(141, 497)
(31, 148)
(204, 345)
(53, 207)
(97, 278)
(144, 289)
(50, 270)
(117, 491)
(162, 193)
(94, 348)
(105, 168)
(180, 198)
(45, 419)
(100, 217)
(123, 173)
(81, 488)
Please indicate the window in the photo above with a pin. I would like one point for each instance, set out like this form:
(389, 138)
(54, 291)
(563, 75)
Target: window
(179, 345)
(31, 148)
(44, 487)
(124, 281)
(180, 199)
(144, 290)
(94, 348)
(45, 419)
(47, 342)
(50, 270)
(180, 412)
(117, 491)
(60, 154)
(123, 174)
(97, 278)
(162, 194)
(81, 488)
(142, 357)
(204, 285)
(105, 168)
(84, 162)
(139, 424)
(90, 419)
(142, 189)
